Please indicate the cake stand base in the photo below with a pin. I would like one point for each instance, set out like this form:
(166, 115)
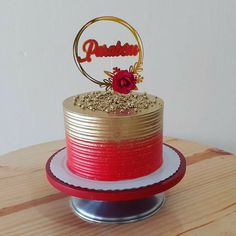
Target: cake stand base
(117, 211)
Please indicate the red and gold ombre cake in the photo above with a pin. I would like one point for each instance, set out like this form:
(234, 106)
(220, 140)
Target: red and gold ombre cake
(114, 134)
(111, 136)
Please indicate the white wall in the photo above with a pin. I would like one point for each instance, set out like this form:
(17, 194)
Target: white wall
(190, 61)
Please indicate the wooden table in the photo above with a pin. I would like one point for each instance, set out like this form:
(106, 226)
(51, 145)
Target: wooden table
(203, 203)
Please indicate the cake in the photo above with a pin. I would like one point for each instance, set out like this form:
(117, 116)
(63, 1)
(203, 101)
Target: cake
(112, 136)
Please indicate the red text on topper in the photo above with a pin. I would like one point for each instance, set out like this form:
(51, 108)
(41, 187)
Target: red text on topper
(91, 47)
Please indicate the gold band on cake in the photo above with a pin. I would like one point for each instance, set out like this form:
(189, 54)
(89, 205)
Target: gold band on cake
(85, 124)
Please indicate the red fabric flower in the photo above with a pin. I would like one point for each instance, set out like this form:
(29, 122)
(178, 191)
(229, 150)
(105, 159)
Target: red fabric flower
(123, 81)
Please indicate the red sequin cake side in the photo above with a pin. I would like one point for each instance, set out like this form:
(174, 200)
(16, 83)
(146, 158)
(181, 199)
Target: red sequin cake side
(114, 160)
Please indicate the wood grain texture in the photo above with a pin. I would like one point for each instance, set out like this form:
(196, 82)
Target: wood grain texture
(204, 203)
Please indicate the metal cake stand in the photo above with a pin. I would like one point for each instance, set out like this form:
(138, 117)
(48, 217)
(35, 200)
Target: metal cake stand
(117, 211)
(117, 206)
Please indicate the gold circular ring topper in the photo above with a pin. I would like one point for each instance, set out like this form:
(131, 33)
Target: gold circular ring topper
(121, 81)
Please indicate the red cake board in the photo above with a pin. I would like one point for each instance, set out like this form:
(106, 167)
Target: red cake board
(118, 195)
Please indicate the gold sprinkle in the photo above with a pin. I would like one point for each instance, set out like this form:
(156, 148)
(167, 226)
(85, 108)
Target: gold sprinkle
(111, 101)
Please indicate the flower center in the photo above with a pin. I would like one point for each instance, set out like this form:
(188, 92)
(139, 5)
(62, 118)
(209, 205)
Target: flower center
(124, 82)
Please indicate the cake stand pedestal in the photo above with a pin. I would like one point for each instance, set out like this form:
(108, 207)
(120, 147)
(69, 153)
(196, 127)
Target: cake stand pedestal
(118, 206)
(117, 211)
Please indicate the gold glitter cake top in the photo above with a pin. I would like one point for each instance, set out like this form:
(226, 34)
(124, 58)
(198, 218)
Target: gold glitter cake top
(112, 102)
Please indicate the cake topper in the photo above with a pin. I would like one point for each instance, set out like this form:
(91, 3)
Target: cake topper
(120, 80)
